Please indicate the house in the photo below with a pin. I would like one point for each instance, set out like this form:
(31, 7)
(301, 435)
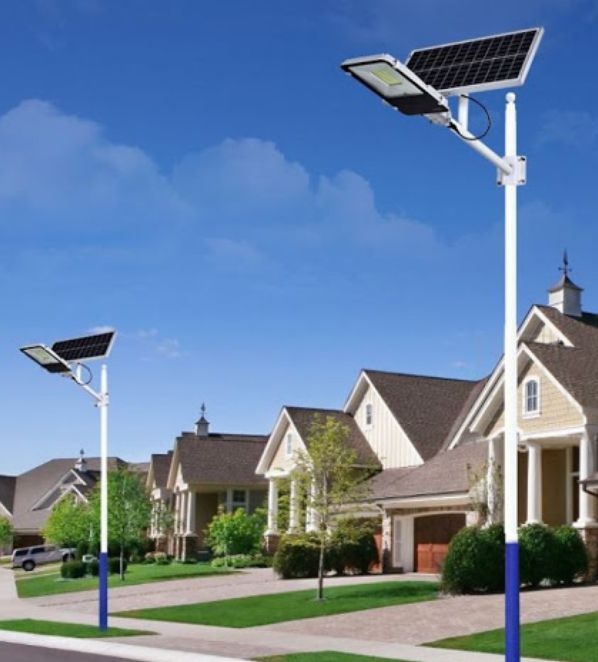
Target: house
(205, 472)
(437, 440)
(27, 500)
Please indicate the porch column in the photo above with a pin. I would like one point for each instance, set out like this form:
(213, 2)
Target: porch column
(294, 507)
(587, 510)
(311, 520)
(491, 482)
(191, 499)
(182, 510)
(534, 483)
(272, 508)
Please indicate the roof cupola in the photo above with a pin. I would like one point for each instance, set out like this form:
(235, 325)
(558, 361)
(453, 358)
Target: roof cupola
(565, 295)
(81, 463)
(202, 426)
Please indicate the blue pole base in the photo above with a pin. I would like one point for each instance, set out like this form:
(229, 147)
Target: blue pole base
(103, 597)
(512, 644)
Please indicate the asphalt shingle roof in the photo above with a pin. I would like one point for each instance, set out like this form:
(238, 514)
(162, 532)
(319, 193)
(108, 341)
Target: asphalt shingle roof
(426, 407)
(7, 491)
(160, 463)
(303, 418)
(221, 459)
(446, 473)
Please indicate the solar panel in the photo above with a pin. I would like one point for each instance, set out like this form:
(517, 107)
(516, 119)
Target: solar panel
(87, 347)
(478, 64)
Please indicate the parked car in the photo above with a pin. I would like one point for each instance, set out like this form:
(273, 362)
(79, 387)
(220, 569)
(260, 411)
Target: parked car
(30, 557)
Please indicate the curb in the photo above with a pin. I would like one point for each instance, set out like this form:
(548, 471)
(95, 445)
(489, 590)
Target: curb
(96, 647)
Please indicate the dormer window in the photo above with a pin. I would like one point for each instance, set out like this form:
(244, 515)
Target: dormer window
(531, 403)
(369, 416)
(289, 444)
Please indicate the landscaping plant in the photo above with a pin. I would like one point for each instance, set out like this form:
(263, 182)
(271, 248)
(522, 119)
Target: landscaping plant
(329, 474)
(538, 554)
(69, 523)
(5, 531)
(230, 534)
(571, 560)
(73, 570)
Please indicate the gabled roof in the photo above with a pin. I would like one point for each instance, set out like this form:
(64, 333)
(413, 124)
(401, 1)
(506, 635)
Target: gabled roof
(425, 407)
(446, 473)
(160, 467)
(303, 418)
(32, 485)
(7, 492)
(219, 459)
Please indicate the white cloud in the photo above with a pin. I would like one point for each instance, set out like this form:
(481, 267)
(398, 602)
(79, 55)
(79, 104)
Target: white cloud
(572, 128)
(169, 348)
(100, 329)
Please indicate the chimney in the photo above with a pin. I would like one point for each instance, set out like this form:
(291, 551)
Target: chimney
(81, 463)
(565, 296)
(202, 425)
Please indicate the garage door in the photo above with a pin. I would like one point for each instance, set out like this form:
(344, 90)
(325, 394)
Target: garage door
(432, 534)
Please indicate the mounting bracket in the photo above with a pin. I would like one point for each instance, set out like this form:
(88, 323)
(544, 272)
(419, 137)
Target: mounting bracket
(518, 174)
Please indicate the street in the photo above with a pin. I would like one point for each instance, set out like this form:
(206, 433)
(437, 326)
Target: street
(17, 653)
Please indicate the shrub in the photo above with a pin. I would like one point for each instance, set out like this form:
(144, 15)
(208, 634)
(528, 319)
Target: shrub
(93, 568)
(149, 557)
(464, 568)
(538, 552)
(352, 546)
(571, 558)
(493, 538)
(72, 570)
(229, 534)
(114, 565)
(160, 558)
(241, 561)
(297, 556)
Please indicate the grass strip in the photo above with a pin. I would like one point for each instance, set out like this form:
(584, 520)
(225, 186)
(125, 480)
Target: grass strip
(58, 629)
(52, 584)
(570, 639)
(279, 607)
(325, 656)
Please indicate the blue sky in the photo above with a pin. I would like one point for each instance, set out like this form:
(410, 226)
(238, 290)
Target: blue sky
(202, 177)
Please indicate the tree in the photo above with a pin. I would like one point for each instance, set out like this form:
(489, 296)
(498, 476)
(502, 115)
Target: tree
(328, 474)
(129, 510)
(69, 523)
(5, 531)
(236, 533)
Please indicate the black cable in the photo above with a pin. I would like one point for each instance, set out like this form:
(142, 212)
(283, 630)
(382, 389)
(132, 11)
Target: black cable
(455, 127)
(89, 372)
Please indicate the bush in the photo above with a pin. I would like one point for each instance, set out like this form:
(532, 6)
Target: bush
(229, 534)
(160, 558)
(352, 546)
(493, 538)
(72, 570)
(241, 561)
(149, 558)
(297, 556)
(114, 565)
(93, 568)
(538, 552)
(571, 558)
(464, 569)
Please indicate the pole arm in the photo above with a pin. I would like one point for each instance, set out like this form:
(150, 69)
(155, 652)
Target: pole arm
(481, 148)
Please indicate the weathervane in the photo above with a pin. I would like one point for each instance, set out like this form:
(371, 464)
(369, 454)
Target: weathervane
(565, 268)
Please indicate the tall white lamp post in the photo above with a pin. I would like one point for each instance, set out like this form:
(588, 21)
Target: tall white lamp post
(65, 358)
(421, 87)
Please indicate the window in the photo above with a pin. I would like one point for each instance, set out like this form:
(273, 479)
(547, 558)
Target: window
(238, 499)
(531, 403)
(38, 550)
(368, 414)
(289, 446)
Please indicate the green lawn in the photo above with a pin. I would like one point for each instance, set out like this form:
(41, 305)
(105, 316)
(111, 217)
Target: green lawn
(66, 629)
(266, 609)
(571, 639)
(50, 584)
(325, 656)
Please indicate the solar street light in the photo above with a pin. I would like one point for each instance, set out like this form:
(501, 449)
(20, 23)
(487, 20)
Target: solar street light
(457, 69)
(58, 359)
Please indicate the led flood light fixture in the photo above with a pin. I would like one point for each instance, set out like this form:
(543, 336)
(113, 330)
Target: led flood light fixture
(46, 358)
(396, 84)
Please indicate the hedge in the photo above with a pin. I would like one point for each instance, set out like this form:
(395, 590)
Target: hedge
(475, 559)
(73, 570)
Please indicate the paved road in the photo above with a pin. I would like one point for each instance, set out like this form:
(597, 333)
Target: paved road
(16, 653)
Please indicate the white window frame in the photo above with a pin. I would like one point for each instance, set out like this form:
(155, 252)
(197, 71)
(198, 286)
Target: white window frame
(369, 415)
(289, 444)
(527, 413)
(231, 505)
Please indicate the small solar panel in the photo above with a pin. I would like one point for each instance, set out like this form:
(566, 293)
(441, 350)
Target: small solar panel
(479, 64)
(87, 347)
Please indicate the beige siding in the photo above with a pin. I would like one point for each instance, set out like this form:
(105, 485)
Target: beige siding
(556, 409)
(546, 335)
(281, 460)
(385, 436)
